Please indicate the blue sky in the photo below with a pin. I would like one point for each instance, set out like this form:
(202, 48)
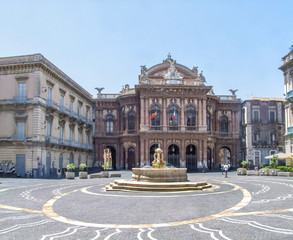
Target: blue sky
(237, 44)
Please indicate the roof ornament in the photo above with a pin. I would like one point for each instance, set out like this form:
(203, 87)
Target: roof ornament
(290, 48)
(233, 91)
(172, 73)
(99, 94)
(143, 78)
(169, 57)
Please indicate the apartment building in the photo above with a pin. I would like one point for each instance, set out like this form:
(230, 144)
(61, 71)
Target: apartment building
(46, 117)
(262, 129)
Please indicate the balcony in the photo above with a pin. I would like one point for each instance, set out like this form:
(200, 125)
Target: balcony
(18, 138)
(289, 96)
(52, 104)
(63, 110)
(20, 99)
(290, 130)
(52, 140)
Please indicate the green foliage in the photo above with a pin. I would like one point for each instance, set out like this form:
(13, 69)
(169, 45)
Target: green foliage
(70, 167)
(285, 169)
(82, 166)
(244, 164)
(105, 166)
(262, 165)
(273, 162)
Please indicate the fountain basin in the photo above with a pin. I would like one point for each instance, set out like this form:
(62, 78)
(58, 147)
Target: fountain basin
(159, 174)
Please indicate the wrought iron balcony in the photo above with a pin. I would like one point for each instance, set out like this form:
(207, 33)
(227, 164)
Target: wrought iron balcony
(289, 96)
(52, 140)
(18, 138)
(52, 104)
(20, 99)
(290, 130)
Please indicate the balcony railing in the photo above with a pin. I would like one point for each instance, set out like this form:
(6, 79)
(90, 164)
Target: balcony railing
(18, 138)
(20, 99)
(290, 130)
(52, 104)
(50, 139)
(289, 96)
(64, 110)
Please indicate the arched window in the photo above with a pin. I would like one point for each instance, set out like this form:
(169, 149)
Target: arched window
(208, 121)
(123, 121)
(109, 124)
(224, 125)
(190, 112)
(155, 117)
(131, 121)
(173, 118)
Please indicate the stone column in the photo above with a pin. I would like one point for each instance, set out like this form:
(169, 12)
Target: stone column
(182, 114)
(204, 113)
(142, 145)
(142, 114)
(199, 154)
(163, 113)
(199, 113)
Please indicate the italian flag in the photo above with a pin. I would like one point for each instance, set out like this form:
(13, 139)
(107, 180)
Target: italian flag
(154, 115)
(173, 115)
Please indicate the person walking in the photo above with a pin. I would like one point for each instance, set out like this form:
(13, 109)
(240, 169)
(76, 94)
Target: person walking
(226, 167)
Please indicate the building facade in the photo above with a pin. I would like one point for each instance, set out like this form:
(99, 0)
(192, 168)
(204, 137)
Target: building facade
(262, 129)
(171, 108)
(46, 117)
(287, 69)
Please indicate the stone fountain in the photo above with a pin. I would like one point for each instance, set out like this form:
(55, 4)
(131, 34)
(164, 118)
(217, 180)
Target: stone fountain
(157, 178)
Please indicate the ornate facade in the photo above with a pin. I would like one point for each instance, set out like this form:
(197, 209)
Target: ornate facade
(171, 108)
(46, 117)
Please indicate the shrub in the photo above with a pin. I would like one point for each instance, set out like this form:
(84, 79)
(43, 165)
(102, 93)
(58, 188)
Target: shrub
(70, 167)
(262, 165)
(244, 164)
(285, 169)
(82, 166)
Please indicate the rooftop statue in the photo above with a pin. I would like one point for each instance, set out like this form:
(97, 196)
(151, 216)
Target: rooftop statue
(172, 72)
(143, 78)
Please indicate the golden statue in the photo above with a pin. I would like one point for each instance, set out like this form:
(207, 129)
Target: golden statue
(158, 159)
(107, 158)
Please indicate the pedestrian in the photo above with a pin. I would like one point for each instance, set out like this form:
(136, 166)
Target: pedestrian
(59, 173)
(204, 167)
(222, 168)
(226, 167)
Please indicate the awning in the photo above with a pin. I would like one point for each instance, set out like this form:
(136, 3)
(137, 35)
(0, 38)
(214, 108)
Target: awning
(280, 156)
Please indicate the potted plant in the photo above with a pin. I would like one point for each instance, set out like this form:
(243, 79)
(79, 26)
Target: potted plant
(264, 171)
(82, 172)
(242, 170)
(70, 168)
(285, 171)
(273, 170)
(106, 168)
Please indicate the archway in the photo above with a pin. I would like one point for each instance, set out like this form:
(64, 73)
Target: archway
(152, 152)
(113, 155)
(224, 156)
(191, 158)
(131, 158)
(173, 155)
(209, 159)
(61, 161)
(48, 165)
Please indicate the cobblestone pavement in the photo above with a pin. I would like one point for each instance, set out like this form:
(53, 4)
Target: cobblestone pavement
(237, 207)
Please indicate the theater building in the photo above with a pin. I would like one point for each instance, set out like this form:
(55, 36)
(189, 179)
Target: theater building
(171, 107)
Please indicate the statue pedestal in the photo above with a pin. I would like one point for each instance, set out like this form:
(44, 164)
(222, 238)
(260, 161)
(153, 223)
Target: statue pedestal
(159, 174)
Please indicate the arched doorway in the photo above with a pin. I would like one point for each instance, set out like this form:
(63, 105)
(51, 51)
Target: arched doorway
(61, 161)
(173, 155)
(48, 165)
(152, 152)
(113, 155)
(191, 158)
(131, 158)
(79, 161)
(209, 159)
(224, 156)
(70, 158)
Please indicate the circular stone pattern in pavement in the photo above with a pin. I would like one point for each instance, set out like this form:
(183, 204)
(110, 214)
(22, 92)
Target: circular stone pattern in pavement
(92, 207)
